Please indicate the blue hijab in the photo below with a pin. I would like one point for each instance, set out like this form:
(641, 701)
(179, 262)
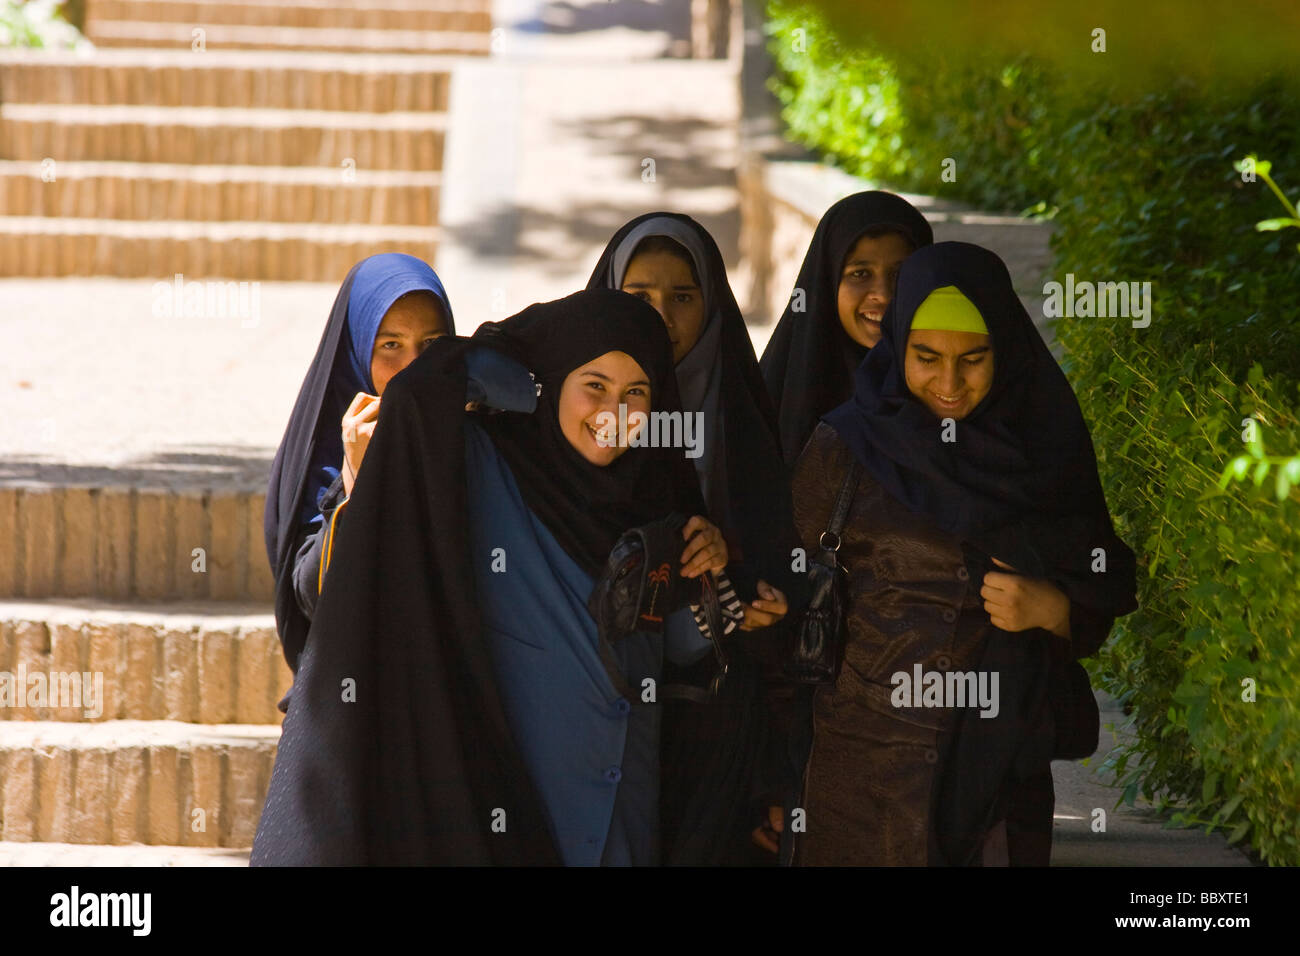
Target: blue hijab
(311, 452)
(377, 283)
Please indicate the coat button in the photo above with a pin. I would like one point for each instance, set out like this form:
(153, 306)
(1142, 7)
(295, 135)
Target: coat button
(963, 574)
(613, 774)
(622, 706)
(943, 662)
(949, 615)
(931, 755)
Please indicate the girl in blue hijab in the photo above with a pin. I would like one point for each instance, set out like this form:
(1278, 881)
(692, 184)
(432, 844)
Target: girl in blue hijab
(389, 308)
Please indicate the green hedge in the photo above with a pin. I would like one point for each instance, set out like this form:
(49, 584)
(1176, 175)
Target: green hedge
(1141, 185)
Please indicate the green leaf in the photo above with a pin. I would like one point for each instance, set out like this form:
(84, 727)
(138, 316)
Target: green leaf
(1241, 830)
(1283, 485)
(1260, 473)
(1228, 809)
(1210, 787)
(1272, 225)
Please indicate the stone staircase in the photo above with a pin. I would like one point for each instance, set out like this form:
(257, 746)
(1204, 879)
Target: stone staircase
(128, 724)
(139, 664)
(373, 26)
(227, 164)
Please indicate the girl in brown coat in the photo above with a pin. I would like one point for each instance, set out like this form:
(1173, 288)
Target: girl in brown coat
(982, 564)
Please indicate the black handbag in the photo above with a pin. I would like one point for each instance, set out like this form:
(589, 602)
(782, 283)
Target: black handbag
(815, 647)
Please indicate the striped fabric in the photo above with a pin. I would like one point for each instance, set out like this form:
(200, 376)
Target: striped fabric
(733, 611)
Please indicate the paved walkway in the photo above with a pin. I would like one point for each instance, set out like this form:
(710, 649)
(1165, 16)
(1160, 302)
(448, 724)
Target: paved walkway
(544, 161)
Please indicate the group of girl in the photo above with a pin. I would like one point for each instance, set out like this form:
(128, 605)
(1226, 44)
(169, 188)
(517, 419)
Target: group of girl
(437, 536)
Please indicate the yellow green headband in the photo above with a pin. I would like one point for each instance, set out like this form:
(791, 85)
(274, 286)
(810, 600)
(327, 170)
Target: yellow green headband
(947, 310)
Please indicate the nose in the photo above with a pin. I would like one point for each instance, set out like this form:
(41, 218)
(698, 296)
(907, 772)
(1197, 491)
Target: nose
(877, 291)
(949, 379)
(609, 402)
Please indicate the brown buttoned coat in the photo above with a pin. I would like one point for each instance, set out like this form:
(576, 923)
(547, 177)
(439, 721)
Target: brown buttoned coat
(872, 779)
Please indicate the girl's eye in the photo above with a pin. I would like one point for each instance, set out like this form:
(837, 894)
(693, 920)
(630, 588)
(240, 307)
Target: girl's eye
(975, 361)
(924, 360)
(392, 344)
(636, 390)
(599, 386)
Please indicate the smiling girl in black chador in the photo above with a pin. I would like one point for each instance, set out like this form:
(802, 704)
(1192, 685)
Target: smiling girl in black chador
(978, 541)
(389, 308)
(456, 701)
(834, 313)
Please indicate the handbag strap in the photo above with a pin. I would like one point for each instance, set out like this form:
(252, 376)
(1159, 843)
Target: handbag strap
(840, 513)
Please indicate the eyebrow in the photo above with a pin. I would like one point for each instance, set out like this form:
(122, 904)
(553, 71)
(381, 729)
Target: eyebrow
(605, 378)
(975, 351)
(649, 285)
(440, 330)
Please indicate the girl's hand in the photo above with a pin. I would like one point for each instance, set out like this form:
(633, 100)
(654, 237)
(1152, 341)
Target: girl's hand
(705, 548)
(768, 835)
(1017, 603)
(358, 425)
(766, 610)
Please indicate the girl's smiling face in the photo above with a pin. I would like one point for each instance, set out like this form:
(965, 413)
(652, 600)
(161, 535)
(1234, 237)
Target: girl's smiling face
(600, 386)
(949, 372)
(409, 325)
(867, 282)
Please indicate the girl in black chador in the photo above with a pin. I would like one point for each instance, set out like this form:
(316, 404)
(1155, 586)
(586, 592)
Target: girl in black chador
(834, 313)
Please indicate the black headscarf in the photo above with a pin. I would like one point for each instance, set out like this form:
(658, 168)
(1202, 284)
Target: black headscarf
(1020, 482)
(809, 361)
(587, 507)
(746, 484)
(311, 451)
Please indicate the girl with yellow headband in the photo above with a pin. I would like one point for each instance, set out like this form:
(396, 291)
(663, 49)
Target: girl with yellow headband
(982, 565)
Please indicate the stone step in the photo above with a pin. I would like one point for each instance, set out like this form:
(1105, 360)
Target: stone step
(244, 251)
(158, 191)
(132, 544)
(222, 136)
(238, 79)
(445, 15)
(135, 33)
(198, 662)
(131, 781)
(74, 854)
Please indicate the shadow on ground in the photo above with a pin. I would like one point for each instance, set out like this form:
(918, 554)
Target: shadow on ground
(672, 17)
(193, 468)
(677, 146)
